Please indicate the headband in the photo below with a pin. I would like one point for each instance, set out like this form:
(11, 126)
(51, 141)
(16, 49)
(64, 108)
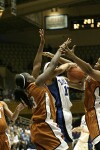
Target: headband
(23, 79)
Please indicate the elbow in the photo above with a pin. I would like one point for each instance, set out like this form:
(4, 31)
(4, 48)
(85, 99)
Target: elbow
(13, 120)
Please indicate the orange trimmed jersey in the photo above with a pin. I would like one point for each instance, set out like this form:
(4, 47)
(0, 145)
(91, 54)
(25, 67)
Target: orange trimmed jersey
(3, 124)
(92, 108)
(44, 130)
(4, 143)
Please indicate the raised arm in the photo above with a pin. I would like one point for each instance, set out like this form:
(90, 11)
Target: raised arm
(54, 61)
(62, 68)
(61, 60)
(86, 67)
(10, 114)
(38, 57)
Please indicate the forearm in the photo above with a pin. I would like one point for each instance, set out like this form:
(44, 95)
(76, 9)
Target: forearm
(82, 64)
(63, 60)
(61, 49)
(38, 57)
(78, 86)
(18, 109)
(15, 115)
(37, 61)
(50, 69)
(55, 59)
(41, 47)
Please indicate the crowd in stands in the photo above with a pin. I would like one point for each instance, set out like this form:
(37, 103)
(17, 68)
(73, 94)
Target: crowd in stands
(19, 57)
(19, 136)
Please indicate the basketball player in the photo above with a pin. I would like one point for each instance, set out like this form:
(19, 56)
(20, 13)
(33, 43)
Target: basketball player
(44, 131)
(59, 88)
(4, 111)
(84, 141)
(92, 96)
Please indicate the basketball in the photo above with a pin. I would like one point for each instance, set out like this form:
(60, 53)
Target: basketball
(75, 74)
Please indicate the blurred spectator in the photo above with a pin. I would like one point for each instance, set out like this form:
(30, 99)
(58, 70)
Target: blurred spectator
(84, 142)
(15, 143)
(19, 136)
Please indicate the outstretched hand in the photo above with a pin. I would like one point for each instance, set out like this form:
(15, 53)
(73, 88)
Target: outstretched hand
(41, 32)
(65, 44)
(70, 52)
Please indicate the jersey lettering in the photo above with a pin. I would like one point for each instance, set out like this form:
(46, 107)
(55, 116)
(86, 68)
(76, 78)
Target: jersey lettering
(66, 90)
(62, 81)
(34, 102)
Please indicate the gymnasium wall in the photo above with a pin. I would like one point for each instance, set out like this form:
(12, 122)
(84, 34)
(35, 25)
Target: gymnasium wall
(79, 37)
(77, 108)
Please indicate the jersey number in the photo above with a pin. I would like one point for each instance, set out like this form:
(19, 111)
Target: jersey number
(66, 90)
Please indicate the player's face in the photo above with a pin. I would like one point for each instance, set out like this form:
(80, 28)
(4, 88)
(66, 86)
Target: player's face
(97, 65)
(31, 78)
